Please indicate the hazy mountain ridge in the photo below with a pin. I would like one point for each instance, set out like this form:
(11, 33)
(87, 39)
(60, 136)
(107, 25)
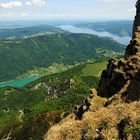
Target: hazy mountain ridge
(18, 33)
(120, 28)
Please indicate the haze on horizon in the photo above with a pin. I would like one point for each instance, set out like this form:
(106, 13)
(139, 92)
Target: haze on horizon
(67, 9)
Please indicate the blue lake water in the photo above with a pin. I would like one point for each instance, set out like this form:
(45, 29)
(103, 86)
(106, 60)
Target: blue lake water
(123, 40)
(18, 83)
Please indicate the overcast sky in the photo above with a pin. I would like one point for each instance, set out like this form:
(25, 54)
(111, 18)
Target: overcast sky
(67, 9)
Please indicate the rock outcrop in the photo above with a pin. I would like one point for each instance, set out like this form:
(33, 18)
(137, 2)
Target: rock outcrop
(123, 74)
(137, 18)
(54, 92)
(111, 112)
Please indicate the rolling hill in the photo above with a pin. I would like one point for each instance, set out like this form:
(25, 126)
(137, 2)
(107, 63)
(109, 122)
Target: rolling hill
(19, 56)
(29, 112)
(25, 32)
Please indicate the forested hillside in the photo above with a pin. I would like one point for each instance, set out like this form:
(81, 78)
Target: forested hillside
(17, 33)
(19, 56)
(30, 111)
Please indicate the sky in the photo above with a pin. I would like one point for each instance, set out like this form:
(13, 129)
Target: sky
(67, 9)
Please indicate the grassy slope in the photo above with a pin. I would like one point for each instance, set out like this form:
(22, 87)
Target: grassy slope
(32, 101)
(19, 56)
(119, 121)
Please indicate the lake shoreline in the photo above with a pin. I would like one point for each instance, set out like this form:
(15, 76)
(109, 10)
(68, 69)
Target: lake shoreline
(73, 29)
(18, 82)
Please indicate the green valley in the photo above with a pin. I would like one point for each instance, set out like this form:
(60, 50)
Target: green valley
(69, 70)
(23, 55)
(30, 111)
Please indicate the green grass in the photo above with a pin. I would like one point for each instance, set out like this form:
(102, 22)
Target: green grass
(35, 102)
(94, 69)
(40, 72)
(8, 119)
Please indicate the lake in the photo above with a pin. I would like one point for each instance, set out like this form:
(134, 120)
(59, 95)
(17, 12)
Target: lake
(18, 83)
(123, 40)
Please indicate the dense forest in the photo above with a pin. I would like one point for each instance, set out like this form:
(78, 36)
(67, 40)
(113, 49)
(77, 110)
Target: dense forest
(30, 111)
(19, 56)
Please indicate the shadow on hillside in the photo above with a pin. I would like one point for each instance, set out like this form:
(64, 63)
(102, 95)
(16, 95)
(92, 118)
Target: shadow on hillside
(133, 90)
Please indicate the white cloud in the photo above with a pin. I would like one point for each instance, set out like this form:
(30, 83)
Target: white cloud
(90, 9)
(28, 3)
(11, 4)
(6, 15)
(107, 1)
(36, 2)
(111, 1)
(24, 14)
(130, 10)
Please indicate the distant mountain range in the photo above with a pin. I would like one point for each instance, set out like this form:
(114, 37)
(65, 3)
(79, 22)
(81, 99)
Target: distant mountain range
(120, 28)
(18, 33)
(22, 30)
